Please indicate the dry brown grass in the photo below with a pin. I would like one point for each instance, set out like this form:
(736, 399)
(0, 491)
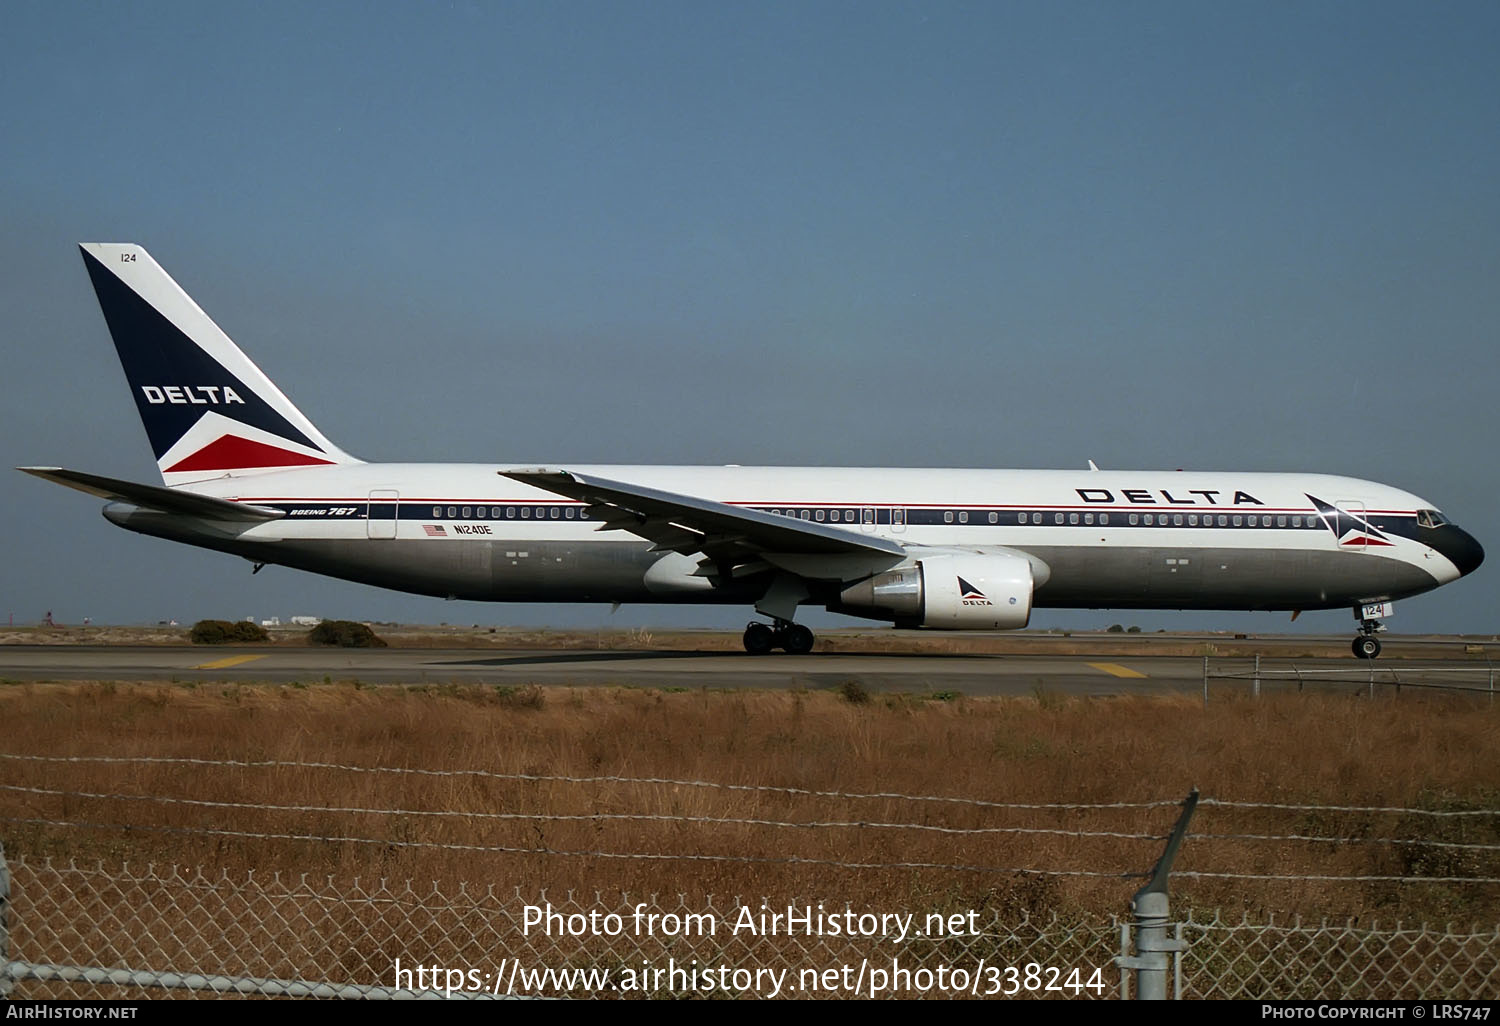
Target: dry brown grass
(1413, 751)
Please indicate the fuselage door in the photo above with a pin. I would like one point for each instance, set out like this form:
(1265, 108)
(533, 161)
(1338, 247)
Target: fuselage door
(381, 515)
(1351, 528)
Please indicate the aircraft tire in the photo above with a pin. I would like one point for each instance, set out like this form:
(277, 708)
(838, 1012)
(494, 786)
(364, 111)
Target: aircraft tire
(1366, 647)
(797, 640)
(759, 639)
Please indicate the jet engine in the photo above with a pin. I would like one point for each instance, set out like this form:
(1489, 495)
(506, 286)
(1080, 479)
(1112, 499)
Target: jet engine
(957, 591)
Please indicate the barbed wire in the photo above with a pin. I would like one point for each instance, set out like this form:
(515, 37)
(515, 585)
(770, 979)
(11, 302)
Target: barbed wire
(578, 817)
(1231, 804)
(1330, 878)
(1345, 840)
(550, 778)
(505, 850)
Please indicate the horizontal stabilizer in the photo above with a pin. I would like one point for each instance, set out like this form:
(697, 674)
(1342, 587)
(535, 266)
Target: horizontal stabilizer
(166, 500)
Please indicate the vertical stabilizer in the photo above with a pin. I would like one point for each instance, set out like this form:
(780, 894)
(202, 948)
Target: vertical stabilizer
(208, 410)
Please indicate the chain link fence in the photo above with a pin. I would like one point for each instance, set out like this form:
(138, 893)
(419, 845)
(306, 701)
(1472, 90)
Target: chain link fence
(907, 894)
(1297, 961)
(131, 932)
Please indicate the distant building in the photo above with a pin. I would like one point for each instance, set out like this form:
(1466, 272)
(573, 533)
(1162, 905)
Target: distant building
(307, 621)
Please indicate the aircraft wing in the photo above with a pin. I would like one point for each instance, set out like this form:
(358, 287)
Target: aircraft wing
(165, 500)
(724, 533)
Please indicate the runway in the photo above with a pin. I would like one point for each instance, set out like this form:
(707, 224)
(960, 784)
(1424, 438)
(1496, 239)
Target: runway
(975, 675)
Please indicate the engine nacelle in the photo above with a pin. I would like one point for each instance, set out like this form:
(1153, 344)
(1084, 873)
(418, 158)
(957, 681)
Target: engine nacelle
(948, 591)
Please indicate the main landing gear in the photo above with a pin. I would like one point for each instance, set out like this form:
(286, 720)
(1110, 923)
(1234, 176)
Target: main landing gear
(795, 639)
(1367, 646)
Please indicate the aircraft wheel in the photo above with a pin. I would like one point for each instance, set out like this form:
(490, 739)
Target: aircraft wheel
(797, 640)
(1366, 647)
(759, 639)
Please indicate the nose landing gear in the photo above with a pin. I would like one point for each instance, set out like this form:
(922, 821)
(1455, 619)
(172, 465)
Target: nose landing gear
(1367, 646)
(793, 638)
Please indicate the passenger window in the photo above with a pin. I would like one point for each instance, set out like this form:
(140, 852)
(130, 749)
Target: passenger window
(1134, 519)
(1150, 519)
(1057, 518)
(848, 516)
(1088, 518)
(963, 518)
(1223, 520)
(571, 511)
(994, 518)
(1239, 521)
(452, 513)
(1072, 518)
(510, 512)
(1020, 518)
(818, 516)
(554, 513)
(1192, 520)
(1296, 521)
(525, 512)
(1281, 521)
(466, 512)
(948, 516)
(1036, 518)
(1177, 519)
(1104, 519)
(437, 511)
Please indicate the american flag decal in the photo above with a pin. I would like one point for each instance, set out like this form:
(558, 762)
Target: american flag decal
(435, 531)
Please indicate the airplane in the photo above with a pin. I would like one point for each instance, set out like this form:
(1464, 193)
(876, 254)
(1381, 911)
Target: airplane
(245, 472)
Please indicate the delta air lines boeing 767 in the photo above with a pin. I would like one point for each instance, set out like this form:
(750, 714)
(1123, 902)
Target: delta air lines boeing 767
(245, 472)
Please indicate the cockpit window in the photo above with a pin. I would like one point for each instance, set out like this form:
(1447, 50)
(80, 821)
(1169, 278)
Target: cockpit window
(1430, 518)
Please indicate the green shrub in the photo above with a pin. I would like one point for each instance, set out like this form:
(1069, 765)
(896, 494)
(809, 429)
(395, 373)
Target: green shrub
(345, 634)
(224, 632)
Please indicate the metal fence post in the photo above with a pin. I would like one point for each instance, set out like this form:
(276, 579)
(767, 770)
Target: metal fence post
(6, 983)
(1205, 682)
(1256, 690)
(1150, 908)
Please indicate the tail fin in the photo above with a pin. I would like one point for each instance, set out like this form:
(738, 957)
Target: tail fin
(208, 410)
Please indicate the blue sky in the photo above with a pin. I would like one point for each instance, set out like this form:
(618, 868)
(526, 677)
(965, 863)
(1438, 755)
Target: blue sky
(1157, 235)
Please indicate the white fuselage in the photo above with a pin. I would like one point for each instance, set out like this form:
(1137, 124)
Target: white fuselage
(1102, 539)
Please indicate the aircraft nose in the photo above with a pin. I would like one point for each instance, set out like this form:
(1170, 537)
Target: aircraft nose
(1460, 547)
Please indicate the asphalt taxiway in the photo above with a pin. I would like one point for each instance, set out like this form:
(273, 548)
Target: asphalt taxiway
(1102, 673)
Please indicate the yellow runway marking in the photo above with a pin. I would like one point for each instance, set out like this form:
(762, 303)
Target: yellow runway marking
(222, 664)
(1116, 670)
